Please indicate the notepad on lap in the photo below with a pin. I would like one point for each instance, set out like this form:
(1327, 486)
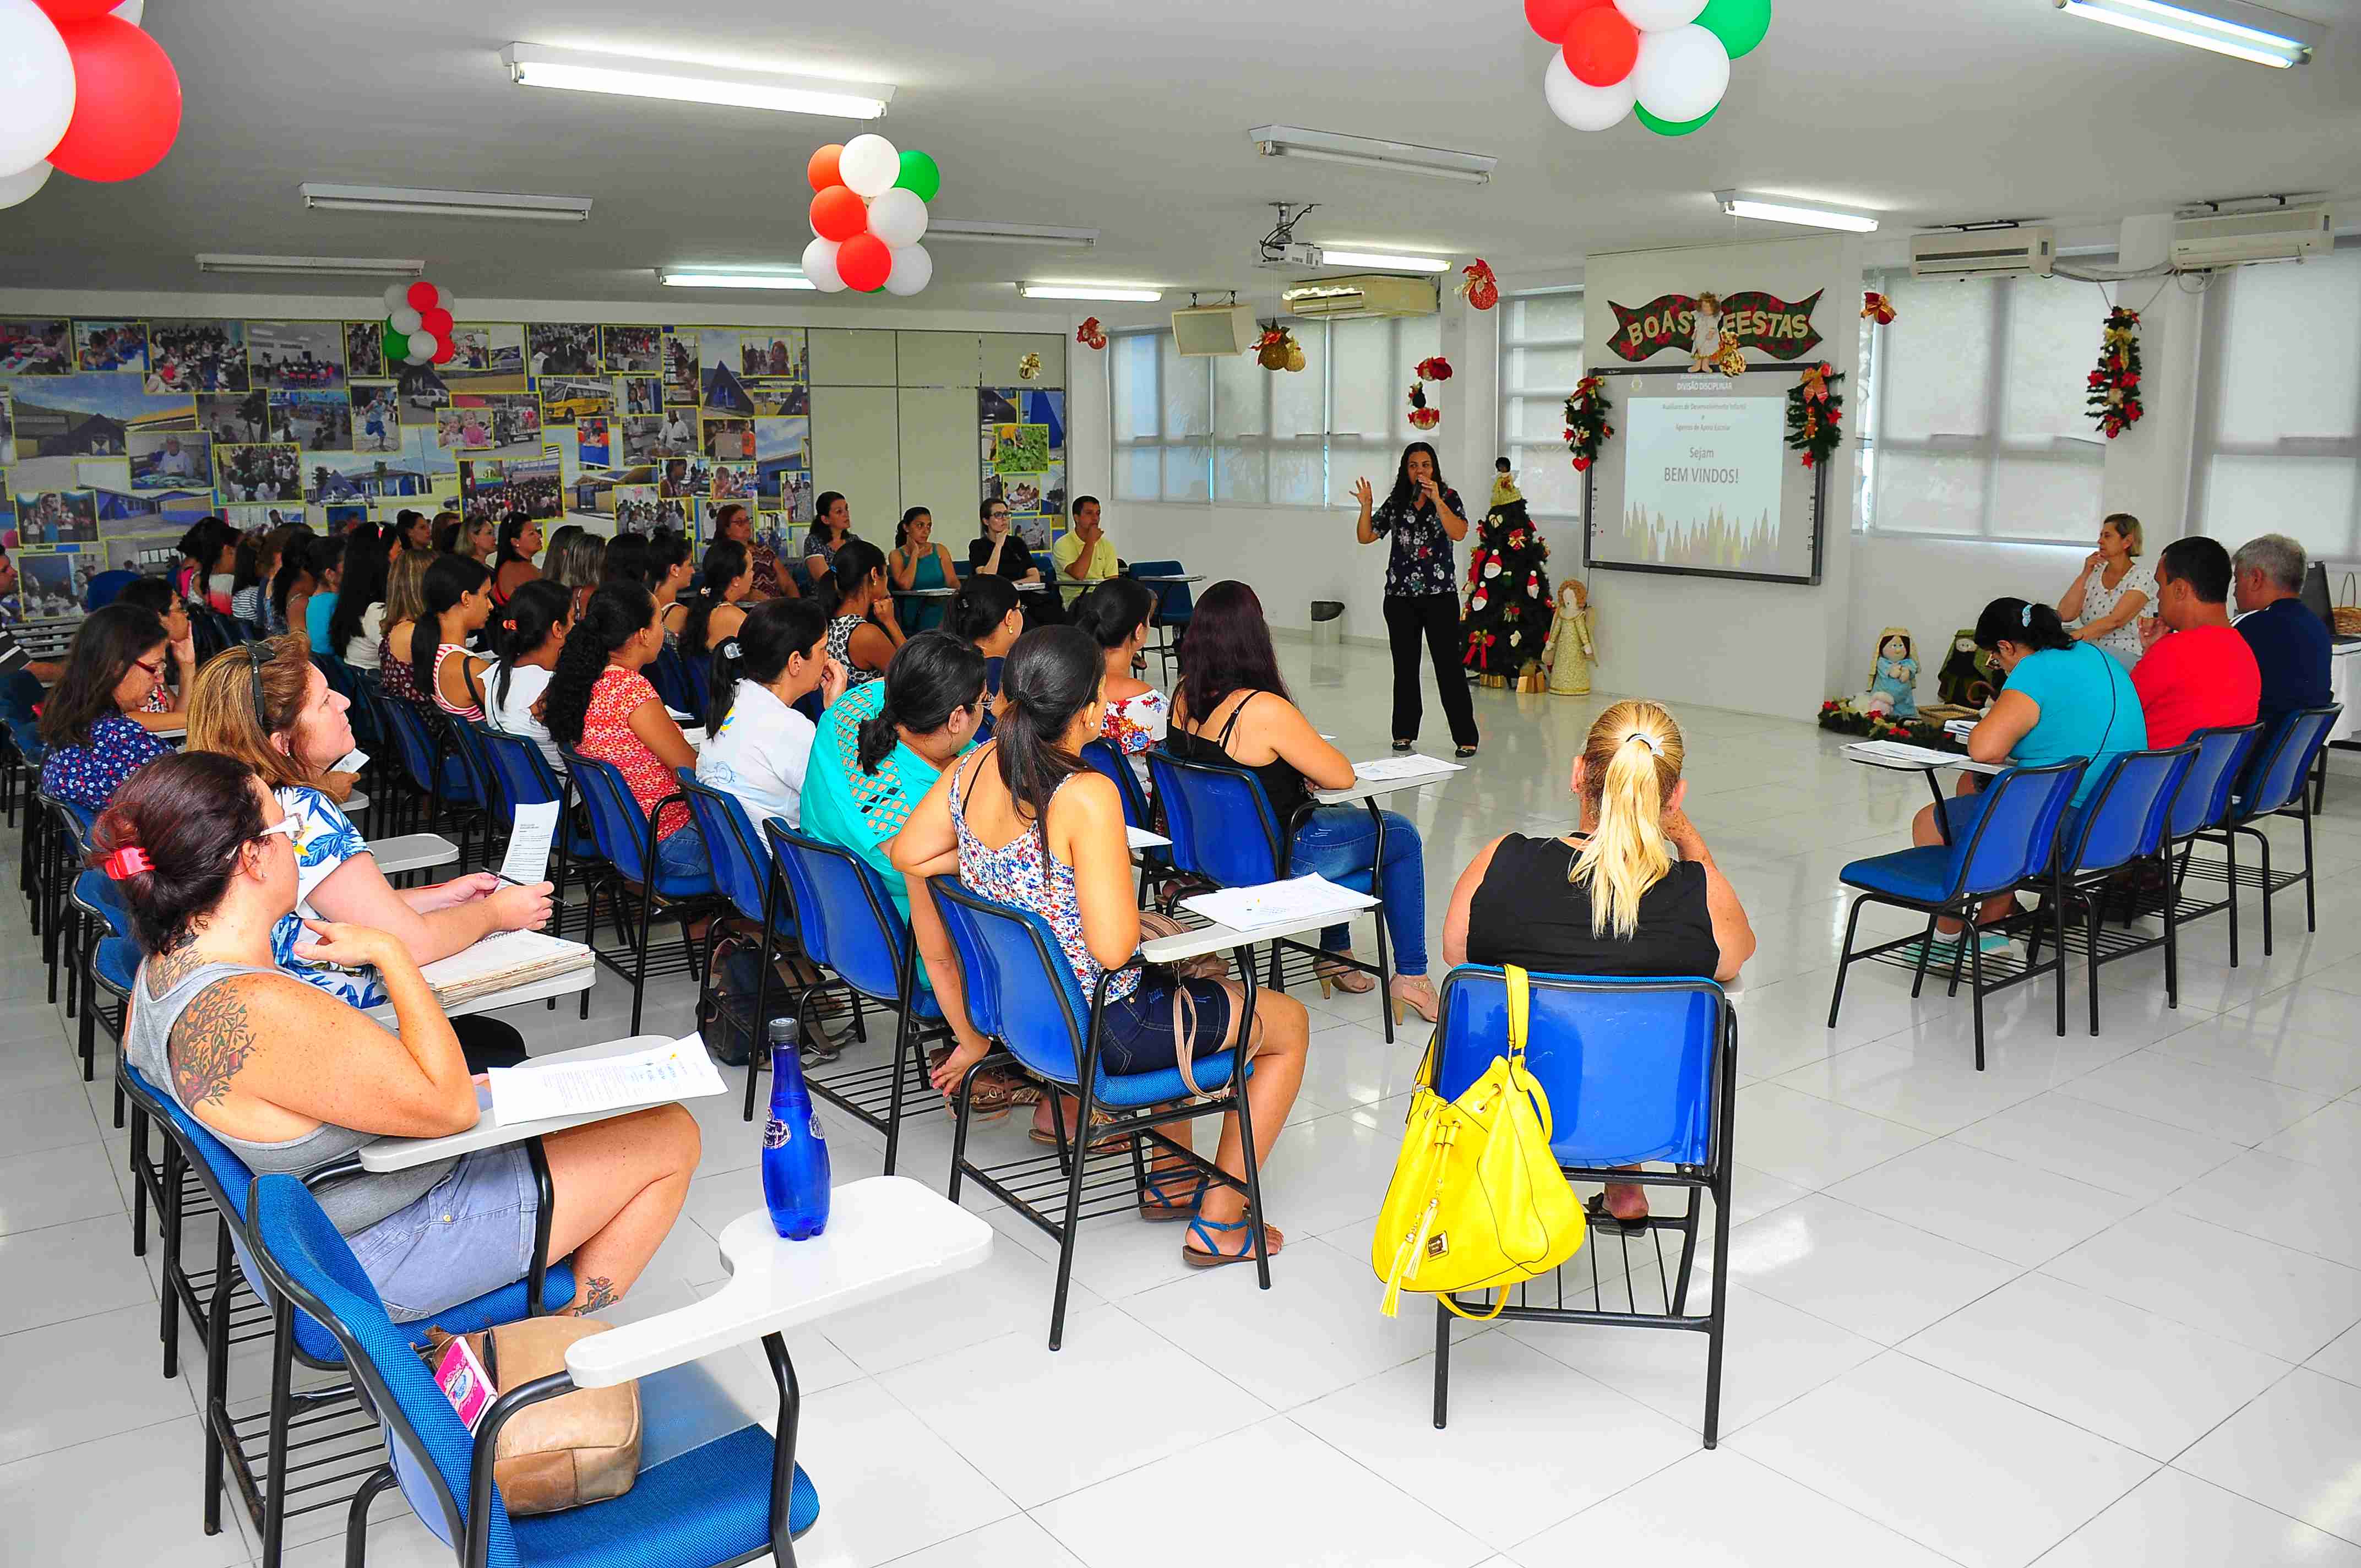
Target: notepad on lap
(501, 961)
(676, 1069)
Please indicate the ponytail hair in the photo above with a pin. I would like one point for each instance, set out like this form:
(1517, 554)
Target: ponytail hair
(979, 607)
(511, 527)
(856, 561)
(625, 560)
(2034, 626)
(902, 528)
(618, 612)
(450, 579)
(932, 675)
(1052, 673)
(524, 624)
(298, 558)
(1630, 763)
(774, 631)
(725, 561)
(1112, 609)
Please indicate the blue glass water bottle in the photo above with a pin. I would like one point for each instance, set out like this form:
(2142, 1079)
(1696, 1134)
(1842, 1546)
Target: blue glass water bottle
(795, 1152)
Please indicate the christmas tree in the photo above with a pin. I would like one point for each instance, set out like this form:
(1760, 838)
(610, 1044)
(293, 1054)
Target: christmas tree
(1508, 602)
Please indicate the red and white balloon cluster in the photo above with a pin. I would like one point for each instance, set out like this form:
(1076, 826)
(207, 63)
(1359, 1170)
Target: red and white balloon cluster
(418, 323)
(868, 213)
(1668, 60)
(81, 90)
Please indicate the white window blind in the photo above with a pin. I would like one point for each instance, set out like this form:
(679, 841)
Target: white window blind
(1541, 360)
(1977, 426)
(2278, 446)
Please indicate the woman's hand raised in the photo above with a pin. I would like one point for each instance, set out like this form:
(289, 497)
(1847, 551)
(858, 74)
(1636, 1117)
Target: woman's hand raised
(1361, 493)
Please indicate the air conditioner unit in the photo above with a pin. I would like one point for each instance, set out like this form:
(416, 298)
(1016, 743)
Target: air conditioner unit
(2023, 252)
(1369, 294)
(1214, 330)
(2274, 234)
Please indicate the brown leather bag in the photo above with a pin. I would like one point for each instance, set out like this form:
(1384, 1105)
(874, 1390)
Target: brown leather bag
(582, 1447)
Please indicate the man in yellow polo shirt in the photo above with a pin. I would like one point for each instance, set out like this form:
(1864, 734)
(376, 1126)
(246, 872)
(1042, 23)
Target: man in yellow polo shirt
(1083, 554)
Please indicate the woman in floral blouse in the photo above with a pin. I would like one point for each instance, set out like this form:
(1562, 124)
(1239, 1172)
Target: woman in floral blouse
(1424, 518)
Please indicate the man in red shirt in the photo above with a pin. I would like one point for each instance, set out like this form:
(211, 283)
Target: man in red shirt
(2201, 674)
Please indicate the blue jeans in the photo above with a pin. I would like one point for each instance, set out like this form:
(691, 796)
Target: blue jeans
(1335, 842)
(682, 855)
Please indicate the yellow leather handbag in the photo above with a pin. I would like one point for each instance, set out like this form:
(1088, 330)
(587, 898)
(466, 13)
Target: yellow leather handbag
(1477, 1201)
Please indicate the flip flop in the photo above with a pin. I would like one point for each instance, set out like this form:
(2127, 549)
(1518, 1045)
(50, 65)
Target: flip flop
(1602, 1218)
(1211, 1256)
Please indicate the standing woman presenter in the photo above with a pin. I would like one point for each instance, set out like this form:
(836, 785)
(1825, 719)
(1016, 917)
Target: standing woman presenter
(1424, 518)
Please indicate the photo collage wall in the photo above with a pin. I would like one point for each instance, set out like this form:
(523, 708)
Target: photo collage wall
(116, 436)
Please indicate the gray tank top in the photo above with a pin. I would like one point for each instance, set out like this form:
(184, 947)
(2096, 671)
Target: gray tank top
(354, 1203)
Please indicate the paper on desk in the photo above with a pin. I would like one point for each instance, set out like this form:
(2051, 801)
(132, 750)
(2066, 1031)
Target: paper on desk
(1275, 903)
(680, 1069)
(1141, 838)
(1414, 766)
(352, 761)
(1901, 754)
(527, 861)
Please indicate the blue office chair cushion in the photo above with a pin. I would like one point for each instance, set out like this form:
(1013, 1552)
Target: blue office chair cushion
(710, 1505)
(1128, 1091)
(1922, 875)
(505, 1305)
(118, 964)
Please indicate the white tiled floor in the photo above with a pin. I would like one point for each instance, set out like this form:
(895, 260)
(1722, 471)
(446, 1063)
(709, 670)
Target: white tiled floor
(2097, 1306)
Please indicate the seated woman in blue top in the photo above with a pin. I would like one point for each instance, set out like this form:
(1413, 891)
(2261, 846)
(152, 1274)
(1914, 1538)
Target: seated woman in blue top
(2064, 698)
(96, 723)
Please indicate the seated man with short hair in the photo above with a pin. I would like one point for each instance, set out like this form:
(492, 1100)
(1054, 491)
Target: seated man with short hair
(2290, 644)
(2200, 675)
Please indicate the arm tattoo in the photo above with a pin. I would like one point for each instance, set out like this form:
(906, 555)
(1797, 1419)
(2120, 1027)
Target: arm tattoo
(210, 1041)
(596, 1291)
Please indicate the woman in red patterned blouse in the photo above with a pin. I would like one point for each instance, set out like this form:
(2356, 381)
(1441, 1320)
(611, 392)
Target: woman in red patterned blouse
(599, 704)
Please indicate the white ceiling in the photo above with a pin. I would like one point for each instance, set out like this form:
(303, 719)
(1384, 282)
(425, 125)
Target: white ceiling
(1131, 118)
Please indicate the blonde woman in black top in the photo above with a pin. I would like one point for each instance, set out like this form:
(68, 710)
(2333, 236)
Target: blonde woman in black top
(1609, 899)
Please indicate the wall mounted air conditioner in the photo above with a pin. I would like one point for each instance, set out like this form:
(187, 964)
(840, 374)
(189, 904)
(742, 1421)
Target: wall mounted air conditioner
(2274, 234)
(2026, 251)
(1369, 294)
(1211, 330)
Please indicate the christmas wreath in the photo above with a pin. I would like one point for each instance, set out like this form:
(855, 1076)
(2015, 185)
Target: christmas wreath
(2114, 399)
(1842, 717)
(1586, 429)
(1815, 409)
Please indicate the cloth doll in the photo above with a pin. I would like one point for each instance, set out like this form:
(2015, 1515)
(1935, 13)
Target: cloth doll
(1569, 651)
(1968, 678)
(1893, 675)
(1704, 345)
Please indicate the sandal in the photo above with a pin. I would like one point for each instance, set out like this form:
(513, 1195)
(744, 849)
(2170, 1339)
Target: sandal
(1603, 1217)
(1331, 974)
(1404, 745)
(1399, 996)
(988, 1102)
(1463, 751)
(1164, 1211)
(1210, 1255)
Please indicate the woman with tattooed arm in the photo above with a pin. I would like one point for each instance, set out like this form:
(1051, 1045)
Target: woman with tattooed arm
(290, 1077)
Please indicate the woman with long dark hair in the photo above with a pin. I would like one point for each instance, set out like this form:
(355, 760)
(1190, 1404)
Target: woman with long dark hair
(759, 746)
(712, 612)
(831, 529)
(458, 600)
(1116, 614)
(294, 586)
(1022, 819)
(1234, 709)
(599, 704)
(733, 522)
(95, 723)
(1422, 518)
(512, 551)
(357, 624)
(862, 631)
(527, 634)
(155, 595)
(986, 616)
(918, 564)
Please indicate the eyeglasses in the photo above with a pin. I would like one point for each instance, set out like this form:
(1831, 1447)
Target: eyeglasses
(284, 825)
(258, 654)
(153, 670)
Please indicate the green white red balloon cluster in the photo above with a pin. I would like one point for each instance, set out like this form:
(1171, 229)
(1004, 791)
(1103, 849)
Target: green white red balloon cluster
(82, 89)
(868, 213)
(1666, 61)
(418, 325)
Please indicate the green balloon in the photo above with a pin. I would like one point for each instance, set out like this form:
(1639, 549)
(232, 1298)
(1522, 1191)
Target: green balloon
(1672, 128)
(397, 345)
(919, 175)
(1739, 24)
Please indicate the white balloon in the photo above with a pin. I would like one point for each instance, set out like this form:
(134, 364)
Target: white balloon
(819, 266)
(397, 297)
(1680, 74)
(37, 85)
(1579, 103)
(443, 299)
(132, 10)
(422, 346)
(899, 217)
(22, 185)
(1659, 16)
(406, 321)
(913, 270)
(870, 164)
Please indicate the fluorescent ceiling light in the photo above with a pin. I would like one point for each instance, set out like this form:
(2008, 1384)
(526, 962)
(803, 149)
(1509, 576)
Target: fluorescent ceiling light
(1086, 291)
(1779, 210)
(2225, 27)
(1369, 152)
(710, 279)
(1380, 261)
(444, 204)
(1012, 234)
(636, 76)
(313, 266)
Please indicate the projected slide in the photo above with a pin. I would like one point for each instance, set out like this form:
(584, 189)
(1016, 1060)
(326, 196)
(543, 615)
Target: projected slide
(1701, 483)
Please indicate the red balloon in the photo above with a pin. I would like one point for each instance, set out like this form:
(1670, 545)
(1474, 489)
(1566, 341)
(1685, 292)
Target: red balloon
(436, 320)
(422, 296)
(126, 102)
(821, 170)
(839, 213)
(444, 349)
(64, 11)
(1551, 19)
(1601, 46)
(864, 261)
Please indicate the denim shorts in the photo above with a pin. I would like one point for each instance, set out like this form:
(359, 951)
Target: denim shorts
(1139, 1035)
(472, 1234)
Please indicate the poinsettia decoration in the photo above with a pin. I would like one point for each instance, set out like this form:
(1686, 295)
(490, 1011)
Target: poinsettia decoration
(1476, 283)
(1437, 368)
(2114, 399)
(1586, 429)
(1876, 307)
(1814, 410)
(1090, 334)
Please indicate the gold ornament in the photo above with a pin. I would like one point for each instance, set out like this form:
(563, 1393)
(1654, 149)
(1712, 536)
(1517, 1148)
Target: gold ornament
(1028, 367)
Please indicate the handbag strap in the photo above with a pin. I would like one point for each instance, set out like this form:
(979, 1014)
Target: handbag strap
(1519, 1009)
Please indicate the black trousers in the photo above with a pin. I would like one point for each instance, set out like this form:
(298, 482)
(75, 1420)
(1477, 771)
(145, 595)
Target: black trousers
(488, 1043)
(1436, 619)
